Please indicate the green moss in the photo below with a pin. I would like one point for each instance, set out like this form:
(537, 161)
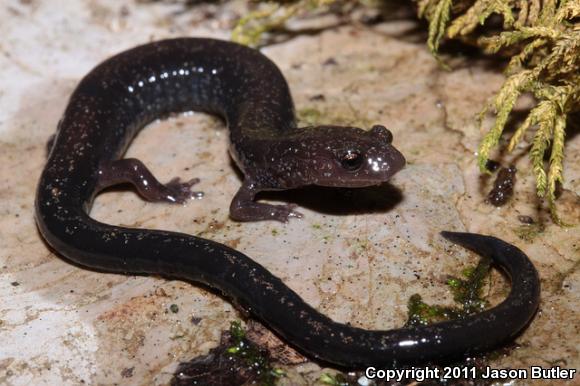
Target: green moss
(236, 360)
(252, 356)
(270, 16)
(337, 379)
(529, 232)
(422, 314)
(467, 293)
(309, 116)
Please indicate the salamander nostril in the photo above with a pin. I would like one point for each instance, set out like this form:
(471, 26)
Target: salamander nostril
(382, 133)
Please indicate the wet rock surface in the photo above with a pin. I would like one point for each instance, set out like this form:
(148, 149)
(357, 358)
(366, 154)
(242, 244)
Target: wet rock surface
(357, 255)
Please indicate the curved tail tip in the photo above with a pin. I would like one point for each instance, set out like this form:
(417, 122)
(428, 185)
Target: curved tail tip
(480, 244)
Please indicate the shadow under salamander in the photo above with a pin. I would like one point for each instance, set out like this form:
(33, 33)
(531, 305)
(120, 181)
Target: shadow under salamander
(340, 201)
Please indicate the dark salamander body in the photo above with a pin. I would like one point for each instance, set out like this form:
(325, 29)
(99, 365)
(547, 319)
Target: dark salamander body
(124, 93)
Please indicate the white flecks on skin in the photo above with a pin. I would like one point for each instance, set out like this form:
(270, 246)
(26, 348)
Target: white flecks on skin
(407, 343)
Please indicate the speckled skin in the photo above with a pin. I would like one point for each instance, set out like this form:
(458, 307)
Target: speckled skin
(126, 92)
(503, 186)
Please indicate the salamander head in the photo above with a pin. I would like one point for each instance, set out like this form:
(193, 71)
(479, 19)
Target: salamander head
(350, 157)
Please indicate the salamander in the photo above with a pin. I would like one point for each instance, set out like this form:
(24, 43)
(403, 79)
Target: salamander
(124, 93)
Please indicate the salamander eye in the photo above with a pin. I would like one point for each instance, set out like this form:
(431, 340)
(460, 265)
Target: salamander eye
(351, 160)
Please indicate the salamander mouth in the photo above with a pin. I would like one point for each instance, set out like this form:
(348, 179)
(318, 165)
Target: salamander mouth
(355, 183)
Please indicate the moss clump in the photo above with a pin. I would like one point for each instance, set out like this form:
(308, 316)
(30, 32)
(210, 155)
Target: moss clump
(529, 232)
(236, 361)
(252, 356)
(272, 15)
(337, 379)
(467, 293)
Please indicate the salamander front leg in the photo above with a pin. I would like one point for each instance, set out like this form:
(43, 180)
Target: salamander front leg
(244, 208)
(133, 171)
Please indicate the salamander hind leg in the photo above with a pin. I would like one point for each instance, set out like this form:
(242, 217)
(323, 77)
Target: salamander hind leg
(245, 208)
(134, 172)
